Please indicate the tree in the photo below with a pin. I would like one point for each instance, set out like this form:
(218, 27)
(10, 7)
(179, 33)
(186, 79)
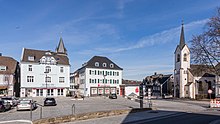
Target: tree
(205, 48)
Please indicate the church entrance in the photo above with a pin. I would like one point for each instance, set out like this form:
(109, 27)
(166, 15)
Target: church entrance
(186, 91)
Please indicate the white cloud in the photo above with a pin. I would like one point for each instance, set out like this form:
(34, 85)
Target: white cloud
(163, 37)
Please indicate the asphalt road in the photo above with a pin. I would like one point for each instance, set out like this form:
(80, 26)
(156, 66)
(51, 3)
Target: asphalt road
(184, 118)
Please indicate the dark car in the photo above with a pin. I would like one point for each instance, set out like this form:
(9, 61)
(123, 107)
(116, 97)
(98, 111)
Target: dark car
(50, 102)
(4, 106)
(113, 96)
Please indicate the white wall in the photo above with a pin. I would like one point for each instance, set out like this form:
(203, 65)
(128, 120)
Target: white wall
(130, 89)
(39, 76)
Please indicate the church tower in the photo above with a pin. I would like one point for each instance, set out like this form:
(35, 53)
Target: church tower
(61, 48)
(182, 64)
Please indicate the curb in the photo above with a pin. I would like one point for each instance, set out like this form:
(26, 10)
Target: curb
(85, 116)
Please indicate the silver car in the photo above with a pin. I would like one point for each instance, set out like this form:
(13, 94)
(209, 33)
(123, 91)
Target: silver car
(26, 104)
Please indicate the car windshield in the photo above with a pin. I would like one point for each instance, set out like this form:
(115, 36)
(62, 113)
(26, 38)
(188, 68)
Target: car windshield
(50, 99)
(6, 98)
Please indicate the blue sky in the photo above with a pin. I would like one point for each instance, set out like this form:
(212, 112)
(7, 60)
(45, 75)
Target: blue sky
(138, 35)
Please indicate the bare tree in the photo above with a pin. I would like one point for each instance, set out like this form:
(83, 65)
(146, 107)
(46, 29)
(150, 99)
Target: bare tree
(205, 48)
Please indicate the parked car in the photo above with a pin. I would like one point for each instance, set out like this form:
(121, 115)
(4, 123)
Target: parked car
(167, 96)
(113, 96)
(49, 101)
(4, 106)
(26, 104)
(12, 100)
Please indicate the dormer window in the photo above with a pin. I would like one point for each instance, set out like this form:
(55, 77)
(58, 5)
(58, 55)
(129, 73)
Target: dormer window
(104, 64)
(47, 53)
(96, 64)
(111, 65)
(3, 68)
(31, 58)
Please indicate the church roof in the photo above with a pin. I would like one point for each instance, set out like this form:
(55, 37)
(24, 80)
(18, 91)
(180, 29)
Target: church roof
(201, 70)
(61, 48)
(182, 38)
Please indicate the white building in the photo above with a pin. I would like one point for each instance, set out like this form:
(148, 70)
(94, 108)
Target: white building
(99, 76)
(45, 73)
(191, 81)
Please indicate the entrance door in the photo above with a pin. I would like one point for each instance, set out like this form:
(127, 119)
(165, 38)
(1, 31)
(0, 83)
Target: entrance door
(186, 91)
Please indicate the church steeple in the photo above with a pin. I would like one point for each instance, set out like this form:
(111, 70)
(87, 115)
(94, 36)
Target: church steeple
(61, 48)
(182, 38)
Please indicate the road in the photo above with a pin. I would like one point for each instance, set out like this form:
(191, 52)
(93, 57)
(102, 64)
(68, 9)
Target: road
(184, 118)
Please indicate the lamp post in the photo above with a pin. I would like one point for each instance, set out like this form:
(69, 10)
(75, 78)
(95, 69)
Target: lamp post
(46, 72)
(104, 75)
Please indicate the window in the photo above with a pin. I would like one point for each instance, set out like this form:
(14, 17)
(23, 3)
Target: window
(96, 64)
(61, 69)
(48, 69)
(61, 79)
(6, 78)
(117, 73)
(111, 65)
(90, 72)
(185, 57)
(94, 90)
(30, 78)
(31, 58)
(48, 79)
(104, 64)
(178, 58)
(3, 68)
(29, 67)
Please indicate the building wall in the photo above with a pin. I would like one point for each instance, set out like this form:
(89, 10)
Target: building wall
(39, 78)
(9, 83)
(180, 74)
(91, 79)
(131, 89)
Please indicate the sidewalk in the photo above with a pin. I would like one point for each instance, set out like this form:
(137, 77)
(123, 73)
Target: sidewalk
(129, 118)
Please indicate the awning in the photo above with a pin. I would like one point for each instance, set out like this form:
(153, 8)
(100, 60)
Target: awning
(3, 87)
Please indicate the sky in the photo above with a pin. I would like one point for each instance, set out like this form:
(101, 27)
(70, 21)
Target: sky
(140, 36)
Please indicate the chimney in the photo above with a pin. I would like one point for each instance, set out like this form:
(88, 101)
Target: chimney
(0, 54)
(155, 73)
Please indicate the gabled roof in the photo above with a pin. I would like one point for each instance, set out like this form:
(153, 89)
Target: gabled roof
(201, 70)
(101, 60)
(10, 64)
(38, 54)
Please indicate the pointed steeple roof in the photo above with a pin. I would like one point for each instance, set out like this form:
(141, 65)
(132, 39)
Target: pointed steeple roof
(61, 48)
(182, 38)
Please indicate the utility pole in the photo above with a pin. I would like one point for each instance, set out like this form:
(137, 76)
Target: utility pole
(141, 93)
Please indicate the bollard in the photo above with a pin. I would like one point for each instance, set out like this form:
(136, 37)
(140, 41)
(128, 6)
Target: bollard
(31, 111)
(73, 106)
(41, 112)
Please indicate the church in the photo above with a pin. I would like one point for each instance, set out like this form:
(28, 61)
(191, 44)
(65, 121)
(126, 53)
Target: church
(192, 81)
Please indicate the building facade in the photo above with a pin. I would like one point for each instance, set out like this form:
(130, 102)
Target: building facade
(9, 76)
(130, 88)
(191, 81)
(98, 77)
(45, 73)
(159, 85)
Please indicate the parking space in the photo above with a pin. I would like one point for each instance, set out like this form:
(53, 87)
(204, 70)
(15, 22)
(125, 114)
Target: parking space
(64, 107)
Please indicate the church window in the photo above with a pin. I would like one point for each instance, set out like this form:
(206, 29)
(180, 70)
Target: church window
(185, 57)
(178, 58)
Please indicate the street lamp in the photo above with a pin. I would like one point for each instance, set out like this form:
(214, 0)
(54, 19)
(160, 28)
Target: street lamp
(104, 81)
(46, 72)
